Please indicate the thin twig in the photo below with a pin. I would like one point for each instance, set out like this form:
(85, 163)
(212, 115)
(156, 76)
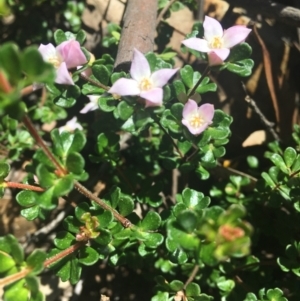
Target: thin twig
(23, 186)
(163, 11)
(269, 125)
(124, 221)
(192, 276)
(96, 83)
(205, 72)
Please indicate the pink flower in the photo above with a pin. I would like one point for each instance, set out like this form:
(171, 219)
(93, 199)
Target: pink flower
(143, 83)
(195, 118)
(71, 126)
(65, 56)
(217, 42)
(92, 105)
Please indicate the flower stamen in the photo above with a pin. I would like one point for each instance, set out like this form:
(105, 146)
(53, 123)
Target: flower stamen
(216, 43)
(196, 121)
(55, 61)
(146, 84)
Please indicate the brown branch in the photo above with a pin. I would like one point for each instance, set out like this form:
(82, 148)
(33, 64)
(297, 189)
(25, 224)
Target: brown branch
(138, 31)
(285, 14)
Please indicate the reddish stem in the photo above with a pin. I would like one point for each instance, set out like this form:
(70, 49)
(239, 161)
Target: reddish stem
(23, 186)
(64, 253)
(41, 143)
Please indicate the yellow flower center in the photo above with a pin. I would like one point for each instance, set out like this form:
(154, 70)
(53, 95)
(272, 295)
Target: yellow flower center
(196, 121)
(146, 84)
(55, 61)
(216, 43)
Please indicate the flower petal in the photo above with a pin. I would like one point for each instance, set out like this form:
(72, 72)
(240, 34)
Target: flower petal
(194, 131)
(47, 51)
(160, 77)
(153, 97)
(125, 86)
(218, 56)
(212, 28)
(196, 44)
(207, 111)
(189, 108)
(235, 35)
(63, 76)
(91, 106)
(71, 53)
(139, 66)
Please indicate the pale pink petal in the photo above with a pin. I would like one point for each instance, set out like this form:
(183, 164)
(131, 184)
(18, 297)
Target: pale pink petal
(87, 72)
(212, 28)
(189, 108)
(63, 76)
(196, 44)
(217, 56)
(235, 35)
(71, 53)
(125, 86)
(207, 111)
(160, 77)
(193, 130)
(47, 51)
(91, 106)
(139, 66)
(153, 97)
(71, 125)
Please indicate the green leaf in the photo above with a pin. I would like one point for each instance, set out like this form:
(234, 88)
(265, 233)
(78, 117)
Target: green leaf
(194, 199)
(187, 220)
(101, 73)
(81, 36)
(176, 110)
(63, 186)
(176, 285)
(6, 262)
(185, 240)
(4, 170)
(59, 36)
(63, 240)
(192, 289)
(151, 221)
(186, 74)
(10, 61)
(31, 213)
(289, 156)
(35, 68)
(125, 110)
(225, 285)
(242, 68)
(250, 297)
(107, 103)
(36, 261)
(88, 256)
(161, 296)
(75, 163)
(26, 198)
(153, 240)
(275, 295)
(17, 292)
(240, 52)
(279, 162)
(125, 205)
